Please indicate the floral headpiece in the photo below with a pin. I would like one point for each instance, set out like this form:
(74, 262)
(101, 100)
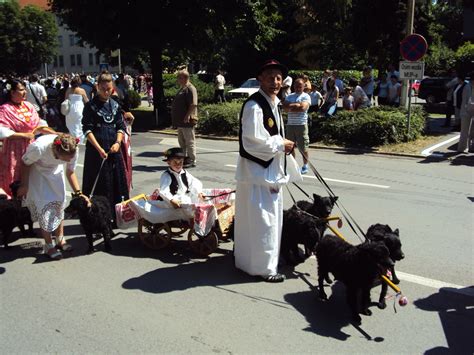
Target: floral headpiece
(8, 86)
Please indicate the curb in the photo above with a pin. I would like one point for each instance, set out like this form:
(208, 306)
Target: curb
(314, 146)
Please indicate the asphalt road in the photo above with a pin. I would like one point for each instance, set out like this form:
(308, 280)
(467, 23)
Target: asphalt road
(135, 300)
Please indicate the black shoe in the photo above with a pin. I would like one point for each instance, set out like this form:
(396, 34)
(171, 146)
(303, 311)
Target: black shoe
(274, 278)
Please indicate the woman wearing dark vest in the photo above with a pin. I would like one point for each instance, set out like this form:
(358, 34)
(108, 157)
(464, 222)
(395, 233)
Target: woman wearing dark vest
(260, 175)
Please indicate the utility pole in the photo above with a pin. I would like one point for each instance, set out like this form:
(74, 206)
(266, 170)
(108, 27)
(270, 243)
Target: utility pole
(409, 31)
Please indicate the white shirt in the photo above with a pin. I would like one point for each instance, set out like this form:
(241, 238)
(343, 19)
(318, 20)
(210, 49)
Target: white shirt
(194, 187)
(287, 82)
(39, 91)
(259, 143)
(298, 118)
(220, 82)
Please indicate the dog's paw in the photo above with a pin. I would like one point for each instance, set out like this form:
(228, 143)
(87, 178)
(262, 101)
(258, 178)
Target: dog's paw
(366, 312)
(382, 305)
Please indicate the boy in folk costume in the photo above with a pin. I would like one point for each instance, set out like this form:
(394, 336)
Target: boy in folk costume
(177, 186)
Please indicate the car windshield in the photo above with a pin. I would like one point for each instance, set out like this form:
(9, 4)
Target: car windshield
(250, 83)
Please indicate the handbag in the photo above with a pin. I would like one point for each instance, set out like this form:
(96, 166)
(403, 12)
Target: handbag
(65, 107)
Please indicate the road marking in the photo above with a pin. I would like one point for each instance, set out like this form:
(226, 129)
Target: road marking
(350, 182)
(424, 281)
(336, 180)
(428, 151)
(81, 165)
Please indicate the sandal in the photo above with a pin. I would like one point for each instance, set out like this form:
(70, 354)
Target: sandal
(61, 244)
(52, 252)
(274, 278)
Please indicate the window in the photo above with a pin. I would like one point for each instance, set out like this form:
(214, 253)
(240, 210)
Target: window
(55, 62)
(97, 58)
(73, 60)
(91, 59)
(60, 41)
(72, 40)
(61, 61)
(79, 59)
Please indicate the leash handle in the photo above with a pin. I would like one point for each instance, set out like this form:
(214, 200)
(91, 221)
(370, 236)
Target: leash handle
(97, 178)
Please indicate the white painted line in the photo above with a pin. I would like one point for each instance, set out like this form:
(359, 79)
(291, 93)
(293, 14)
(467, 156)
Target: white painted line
(350, 182)
(428, 151)
(336, 180)
(420, 280)
(81, 165)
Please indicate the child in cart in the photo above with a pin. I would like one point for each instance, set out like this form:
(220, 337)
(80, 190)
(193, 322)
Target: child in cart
(177, 186)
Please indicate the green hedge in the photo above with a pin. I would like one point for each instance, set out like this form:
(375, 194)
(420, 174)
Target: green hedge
(134, 99)
(369, 127)
(220, 119)
(205, 90)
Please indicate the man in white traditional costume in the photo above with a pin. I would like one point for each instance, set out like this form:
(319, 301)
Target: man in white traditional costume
(261, 174)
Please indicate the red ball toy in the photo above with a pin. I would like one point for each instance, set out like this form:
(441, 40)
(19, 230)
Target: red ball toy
(403, 301)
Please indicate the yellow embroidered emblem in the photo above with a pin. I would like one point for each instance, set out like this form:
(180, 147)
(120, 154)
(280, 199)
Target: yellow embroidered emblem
(270, 122)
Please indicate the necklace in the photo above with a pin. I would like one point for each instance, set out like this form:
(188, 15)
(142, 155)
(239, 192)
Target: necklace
(23, 112)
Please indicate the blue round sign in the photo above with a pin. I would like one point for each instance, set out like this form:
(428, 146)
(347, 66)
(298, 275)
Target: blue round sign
(413, 47)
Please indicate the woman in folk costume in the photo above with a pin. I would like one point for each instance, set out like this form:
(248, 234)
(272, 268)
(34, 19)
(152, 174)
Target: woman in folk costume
(19, 123)
(43, 185)
(104, 129)
(262, 171)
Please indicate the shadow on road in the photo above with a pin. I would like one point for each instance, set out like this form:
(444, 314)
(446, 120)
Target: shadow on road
(326, 318)
(216, 271)
(456, 312)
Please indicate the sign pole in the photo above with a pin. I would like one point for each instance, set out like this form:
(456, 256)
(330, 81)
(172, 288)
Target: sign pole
(409, 31)
(410, 82)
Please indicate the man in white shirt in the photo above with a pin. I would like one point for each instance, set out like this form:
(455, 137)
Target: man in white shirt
(286, 87)
(219, 83)
(261, 174)
(36, 94)
(297, 105)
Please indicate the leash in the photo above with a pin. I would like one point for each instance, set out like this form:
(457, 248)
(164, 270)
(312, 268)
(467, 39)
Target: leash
(97, 178)
(210, 197)
(345, 213)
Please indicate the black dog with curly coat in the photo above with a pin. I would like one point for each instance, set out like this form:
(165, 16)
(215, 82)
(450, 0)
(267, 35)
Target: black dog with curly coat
(300, 227)
(13, 215)
(94, 219)
(391, 238)
(357, 267)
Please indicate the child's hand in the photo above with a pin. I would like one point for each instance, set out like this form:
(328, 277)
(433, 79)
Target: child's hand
(175, 203)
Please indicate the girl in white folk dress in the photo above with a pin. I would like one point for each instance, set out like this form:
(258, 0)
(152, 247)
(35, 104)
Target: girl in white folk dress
(44, 187)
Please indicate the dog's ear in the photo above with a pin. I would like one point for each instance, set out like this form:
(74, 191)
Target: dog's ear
(397, 232)
(316, 197)
(334, 199)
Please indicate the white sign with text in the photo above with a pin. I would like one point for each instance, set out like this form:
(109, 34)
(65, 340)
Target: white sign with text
(412, 70)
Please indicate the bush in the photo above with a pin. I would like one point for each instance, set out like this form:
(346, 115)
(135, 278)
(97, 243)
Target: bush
(220, 119)
(134, 99)
(205, 90)
(369, 127)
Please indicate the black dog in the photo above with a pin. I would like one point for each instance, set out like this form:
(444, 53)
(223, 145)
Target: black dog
(300, 227)
(95, 219)
(383, 233)
(357, 267)
(13, 215)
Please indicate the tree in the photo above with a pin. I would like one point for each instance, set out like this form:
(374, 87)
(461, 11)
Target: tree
(28, 38)
(184, 30)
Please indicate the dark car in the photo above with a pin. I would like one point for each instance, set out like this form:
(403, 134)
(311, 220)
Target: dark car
(433, 90)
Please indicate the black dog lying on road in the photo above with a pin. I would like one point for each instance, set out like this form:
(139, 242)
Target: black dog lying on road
(391, 239)
(357, 267)
(299, 227)
(13, 215)
(95, 219)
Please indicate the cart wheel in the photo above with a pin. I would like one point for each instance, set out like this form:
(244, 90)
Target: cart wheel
(204, 245)
(154, 236)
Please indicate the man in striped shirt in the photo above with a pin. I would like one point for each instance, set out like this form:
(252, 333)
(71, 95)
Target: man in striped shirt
(297, 105)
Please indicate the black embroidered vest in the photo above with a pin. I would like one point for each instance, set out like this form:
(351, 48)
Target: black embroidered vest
(269, 122)
(174, 182)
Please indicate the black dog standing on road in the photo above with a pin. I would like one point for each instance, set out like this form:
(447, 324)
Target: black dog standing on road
(357, 267)
(95, 219)
(383, 233)
(13, 215)
(300, 227)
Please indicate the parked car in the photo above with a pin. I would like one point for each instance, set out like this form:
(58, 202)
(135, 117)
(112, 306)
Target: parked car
(433, 90)
(415, 87)
(249, 87)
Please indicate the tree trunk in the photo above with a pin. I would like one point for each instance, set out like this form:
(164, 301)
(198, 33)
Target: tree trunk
(159, 100)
